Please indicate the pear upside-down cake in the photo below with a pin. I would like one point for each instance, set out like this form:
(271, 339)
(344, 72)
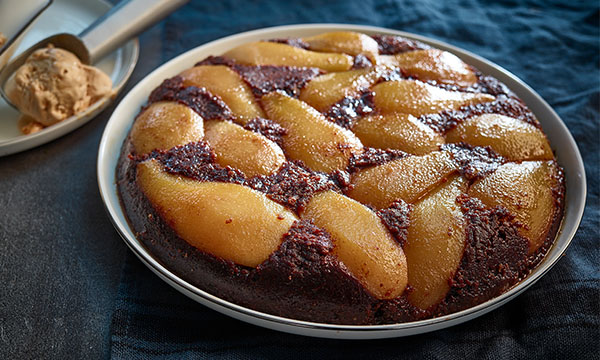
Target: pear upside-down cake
(341, 178)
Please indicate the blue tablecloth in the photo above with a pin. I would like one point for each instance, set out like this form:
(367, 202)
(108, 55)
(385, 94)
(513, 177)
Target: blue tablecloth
(553, 46)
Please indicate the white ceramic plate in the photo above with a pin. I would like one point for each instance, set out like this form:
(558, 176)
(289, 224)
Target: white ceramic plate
(122, 118)
(16, 17)
(69, 16)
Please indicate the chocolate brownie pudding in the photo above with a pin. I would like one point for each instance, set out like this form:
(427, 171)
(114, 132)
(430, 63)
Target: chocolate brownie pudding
(341, 178)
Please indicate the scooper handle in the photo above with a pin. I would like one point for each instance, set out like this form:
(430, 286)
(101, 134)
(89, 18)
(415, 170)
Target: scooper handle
(123, 22)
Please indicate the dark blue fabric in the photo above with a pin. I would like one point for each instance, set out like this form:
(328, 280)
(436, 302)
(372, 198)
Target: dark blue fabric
(553, 46)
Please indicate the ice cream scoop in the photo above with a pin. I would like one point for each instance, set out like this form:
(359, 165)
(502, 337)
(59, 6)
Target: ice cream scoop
(53, 85)
(122, 22)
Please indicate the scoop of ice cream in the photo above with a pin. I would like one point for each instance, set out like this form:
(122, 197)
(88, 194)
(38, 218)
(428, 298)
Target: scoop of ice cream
(53, 85)
(2, 39)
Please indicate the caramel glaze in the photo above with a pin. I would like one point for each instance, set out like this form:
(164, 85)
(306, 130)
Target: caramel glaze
(302, 279)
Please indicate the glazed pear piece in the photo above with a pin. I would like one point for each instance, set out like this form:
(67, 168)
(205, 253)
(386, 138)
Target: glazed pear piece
(512, 138)
(243, 149)
(525, 189)
(418, 98)
(348, 42)
(397, 131)
(319, 143)
(407, 179)
(432, 64)
(226, 220)
(270, 53)
(228, 85)
(361, 242)
(325, 90)
(164, 125)
(435, 243)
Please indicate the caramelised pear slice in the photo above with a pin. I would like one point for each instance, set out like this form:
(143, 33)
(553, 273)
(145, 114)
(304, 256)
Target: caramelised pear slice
(163, 125)
(418, 98)
(512, 138)
(361, 242)
(407, 179)
(243, 149)
(319, 143)
(229, 86)
(230, 221)
(348, 42)
(432, 64)
(270, 53)
(397, 131)
(435, 243)
(525, 189)
(325, 90)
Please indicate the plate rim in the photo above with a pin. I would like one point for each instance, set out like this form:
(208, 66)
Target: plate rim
(25, 142)
(322, 329)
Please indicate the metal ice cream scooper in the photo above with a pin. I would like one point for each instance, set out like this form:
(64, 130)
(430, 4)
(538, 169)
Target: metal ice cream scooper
(121, 23)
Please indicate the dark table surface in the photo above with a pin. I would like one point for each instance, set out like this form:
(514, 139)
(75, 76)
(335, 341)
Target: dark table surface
(61, 261)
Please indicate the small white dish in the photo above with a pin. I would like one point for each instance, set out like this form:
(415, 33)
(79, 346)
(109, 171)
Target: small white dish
(69, 16)
(120, 122)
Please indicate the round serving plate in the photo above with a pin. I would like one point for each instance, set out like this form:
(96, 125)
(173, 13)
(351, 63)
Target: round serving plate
(68, 16)
(122, 118)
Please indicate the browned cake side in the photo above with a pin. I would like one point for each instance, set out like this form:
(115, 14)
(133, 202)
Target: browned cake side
(341, 179)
